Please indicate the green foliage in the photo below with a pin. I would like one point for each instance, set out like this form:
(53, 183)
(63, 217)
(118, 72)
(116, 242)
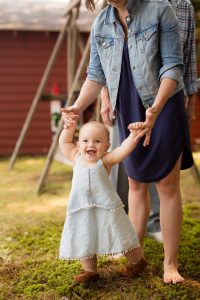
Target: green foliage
(30, 234)
(196, 4)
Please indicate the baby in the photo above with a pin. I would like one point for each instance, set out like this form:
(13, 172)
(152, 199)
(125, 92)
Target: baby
(96, 223)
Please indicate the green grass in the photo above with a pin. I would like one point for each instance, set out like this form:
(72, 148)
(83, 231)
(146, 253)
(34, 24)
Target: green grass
(30, 233)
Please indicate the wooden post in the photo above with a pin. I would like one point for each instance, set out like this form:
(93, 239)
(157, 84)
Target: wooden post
(69, 101)
(54, 144)
(74, 32)
(38, 95)
(71, 47)
(80, 43)
(41, 85)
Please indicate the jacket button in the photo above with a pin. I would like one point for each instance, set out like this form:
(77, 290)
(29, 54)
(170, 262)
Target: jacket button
(104, 43)
(128, 19)
(130, 30)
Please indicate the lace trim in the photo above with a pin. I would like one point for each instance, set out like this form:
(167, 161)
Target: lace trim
(91, 205)
(108, 254)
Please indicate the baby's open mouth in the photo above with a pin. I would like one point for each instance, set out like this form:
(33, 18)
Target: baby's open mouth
(91, 152)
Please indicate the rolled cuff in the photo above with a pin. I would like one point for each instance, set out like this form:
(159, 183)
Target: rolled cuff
(191, 89)
(172, 72)
(96, 75)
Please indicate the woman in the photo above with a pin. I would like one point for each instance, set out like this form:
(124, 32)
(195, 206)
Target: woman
(136, 51)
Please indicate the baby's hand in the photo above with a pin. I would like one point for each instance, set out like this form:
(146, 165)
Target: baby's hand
(70, 116)
(135, 126)
(137, 129)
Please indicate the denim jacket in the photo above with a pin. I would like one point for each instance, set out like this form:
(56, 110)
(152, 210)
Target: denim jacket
(154, 45)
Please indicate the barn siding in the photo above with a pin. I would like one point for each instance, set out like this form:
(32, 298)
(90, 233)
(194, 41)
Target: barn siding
(24, 56)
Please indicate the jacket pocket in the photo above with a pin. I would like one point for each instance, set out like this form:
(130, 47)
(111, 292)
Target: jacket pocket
(104, 42)
(150, 39)
(105, 48)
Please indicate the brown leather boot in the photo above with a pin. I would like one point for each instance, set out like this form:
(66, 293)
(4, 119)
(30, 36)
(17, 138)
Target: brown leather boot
(133, 269)
(86, 277)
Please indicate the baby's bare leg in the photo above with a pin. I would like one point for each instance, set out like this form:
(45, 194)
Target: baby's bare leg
(90, 264)
(136, 264)
(134, 255)
(90, 271)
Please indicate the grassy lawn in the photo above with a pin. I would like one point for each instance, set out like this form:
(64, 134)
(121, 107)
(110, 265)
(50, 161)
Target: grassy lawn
(30, 230)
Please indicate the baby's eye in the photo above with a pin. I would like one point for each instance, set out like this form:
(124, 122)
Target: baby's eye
(98, 141)
(85, 141)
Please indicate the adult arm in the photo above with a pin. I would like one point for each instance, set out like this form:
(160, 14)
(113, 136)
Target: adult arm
(171, 70)
(94, 82)
(190, 102)
(189, 56)
(190, 74)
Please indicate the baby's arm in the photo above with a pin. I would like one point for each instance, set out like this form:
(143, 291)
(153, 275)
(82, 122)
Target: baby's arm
(127, 146)
(66, 141)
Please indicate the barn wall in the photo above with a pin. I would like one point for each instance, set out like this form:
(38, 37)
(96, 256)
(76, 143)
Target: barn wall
(195, 128)
(24, 56)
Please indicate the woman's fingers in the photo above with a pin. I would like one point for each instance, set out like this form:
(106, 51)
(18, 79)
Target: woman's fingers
(141, 129)
(105, 114)
(147, 139)
(141, 133)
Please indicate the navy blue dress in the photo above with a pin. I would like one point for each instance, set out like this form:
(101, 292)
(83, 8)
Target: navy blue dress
(170, 134)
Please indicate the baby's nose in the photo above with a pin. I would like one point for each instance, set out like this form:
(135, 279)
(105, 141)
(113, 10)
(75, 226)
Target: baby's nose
(91, 143)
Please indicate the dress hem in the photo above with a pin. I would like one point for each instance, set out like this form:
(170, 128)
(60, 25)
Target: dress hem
(92, 205)
(165, 173)
(104, 254)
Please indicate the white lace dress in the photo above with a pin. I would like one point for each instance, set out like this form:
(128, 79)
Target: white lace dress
(96, 223)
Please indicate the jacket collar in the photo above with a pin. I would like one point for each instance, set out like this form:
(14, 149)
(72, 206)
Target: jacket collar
(111, 15)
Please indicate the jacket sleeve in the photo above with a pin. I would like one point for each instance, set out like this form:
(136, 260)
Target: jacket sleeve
(95, 71)
(170, 46)
(189, 56)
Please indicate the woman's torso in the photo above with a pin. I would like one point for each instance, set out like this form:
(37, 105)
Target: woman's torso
(150, 56)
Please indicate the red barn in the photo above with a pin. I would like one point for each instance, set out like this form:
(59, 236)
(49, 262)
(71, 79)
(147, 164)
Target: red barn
(28, 31)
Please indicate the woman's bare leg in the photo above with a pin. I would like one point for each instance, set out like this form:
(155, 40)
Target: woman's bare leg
(171, 221)
(139, 207)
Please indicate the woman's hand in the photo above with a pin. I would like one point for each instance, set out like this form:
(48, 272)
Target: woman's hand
(70, 116)
(138, 130)
(151, 116)
(190, 102)
(107, 114)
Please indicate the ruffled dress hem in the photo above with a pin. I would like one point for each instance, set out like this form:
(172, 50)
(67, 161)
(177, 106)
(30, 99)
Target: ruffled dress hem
(102, 254)
(91, 205)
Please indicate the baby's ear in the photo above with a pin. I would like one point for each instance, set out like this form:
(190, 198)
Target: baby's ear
(108, 146)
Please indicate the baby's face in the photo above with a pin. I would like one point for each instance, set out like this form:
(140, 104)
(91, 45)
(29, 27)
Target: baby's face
(93, 143)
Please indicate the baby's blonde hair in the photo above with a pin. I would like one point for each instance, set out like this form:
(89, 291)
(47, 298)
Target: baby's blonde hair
(100, 125)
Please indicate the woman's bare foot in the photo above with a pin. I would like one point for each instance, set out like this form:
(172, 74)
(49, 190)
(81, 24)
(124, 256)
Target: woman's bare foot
(171, 275)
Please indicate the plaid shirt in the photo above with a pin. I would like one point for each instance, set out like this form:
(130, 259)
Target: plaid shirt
(184, 11)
